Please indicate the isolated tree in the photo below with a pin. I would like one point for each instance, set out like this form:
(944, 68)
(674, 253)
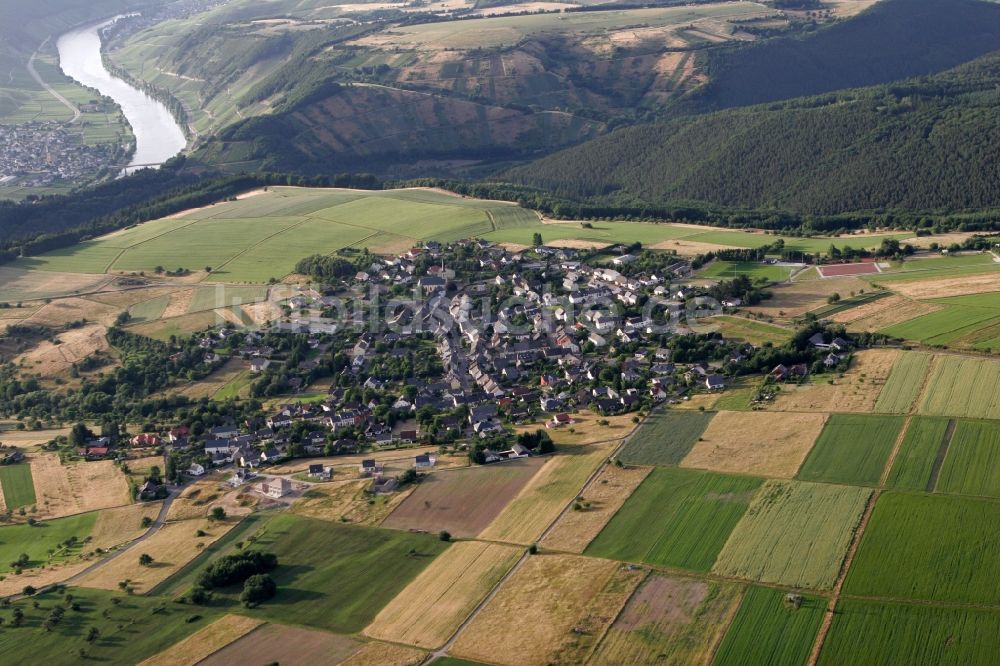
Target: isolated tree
(145, 559)
(17, 618)
(28, 590)
(217, 513)
(257, 588)
(445, 535)
(92, 634)
(536, 239)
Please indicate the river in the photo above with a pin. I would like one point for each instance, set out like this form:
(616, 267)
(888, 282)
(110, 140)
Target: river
(158, 137)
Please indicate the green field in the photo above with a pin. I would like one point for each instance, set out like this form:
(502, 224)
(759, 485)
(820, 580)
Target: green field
(735, 399)
(767, 631)
(947, 326)
(223, 296)
(972, 466)
(917, 452)
(942, 267)
(755, 332)
(678, 518)
(903, 386)
(263, 236)
(852, 449)
(962, 386)
(18, 485)
(929, 547)
(150, 310)
(36, 540)
(665, 437)
(331, 576)
(130, 629)
(727, 270)
(899, 634)
(794, 533)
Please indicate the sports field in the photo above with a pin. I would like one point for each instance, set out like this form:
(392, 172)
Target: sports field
(263, 236)
(929, 547)
(665, 437)
(852, 449)
(677, 518)
(766, 630)
(794, 533)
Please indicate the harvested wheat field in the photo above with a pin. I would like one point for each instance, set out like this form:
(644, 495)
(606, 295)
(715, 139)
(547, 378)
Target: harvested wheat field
(670, 620)
(29, 438)
(289, 646)
(19, 284)
(944, 287)
(173, 546)
(429, 610)
(690, 248)
(760, 443)
(883, 313)
(59, 312)
(797, 298)
(856, 391)
(205, 641)
(47, 359)
(348, 502)
(114, 527)
(599, 502)
(383, 654)
(546, 596)
(143, 465)
(548, 493)
(64, 490)
(125, 298)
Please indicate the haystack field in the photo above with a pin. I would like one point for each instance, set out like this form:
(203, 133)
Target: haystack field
(599, 502)
(856, 391)
(205, 641)
(546, 596)
(63, 490)
(761, 443)
(172, 547)
(429, 610)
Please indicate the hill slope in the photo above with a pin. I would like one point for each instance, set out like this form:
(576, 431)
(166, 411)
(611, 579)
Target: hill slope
(894, 40)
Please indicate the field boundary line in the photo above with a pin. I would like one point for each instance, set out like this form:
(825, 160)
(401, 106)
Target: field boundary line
(891, 461)
(942, 455)
(260, 242)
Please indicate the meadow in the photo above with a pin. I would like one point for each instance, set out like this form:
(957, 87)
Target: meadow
(930, 548)
(852, 449)
(794, 533)
(755, 332)
(963, 386)
(334, 577)
(919, 449)
(36, 540)
(972, 466)
(766, 630)
(18, 485)
(902, 387)
(665, 437)
(130, 628)
(945, 327)
(899, 634)
(676, 518)
(263, 236)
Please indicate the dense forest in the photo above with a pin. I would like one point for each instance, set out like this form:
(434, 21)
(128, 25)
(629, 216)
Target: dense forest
(894, 40)
(928, 144)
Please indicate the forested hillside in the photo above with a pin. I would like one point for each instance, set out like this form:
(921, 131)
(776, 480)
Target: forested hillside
(924, 144)
(894, 40)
